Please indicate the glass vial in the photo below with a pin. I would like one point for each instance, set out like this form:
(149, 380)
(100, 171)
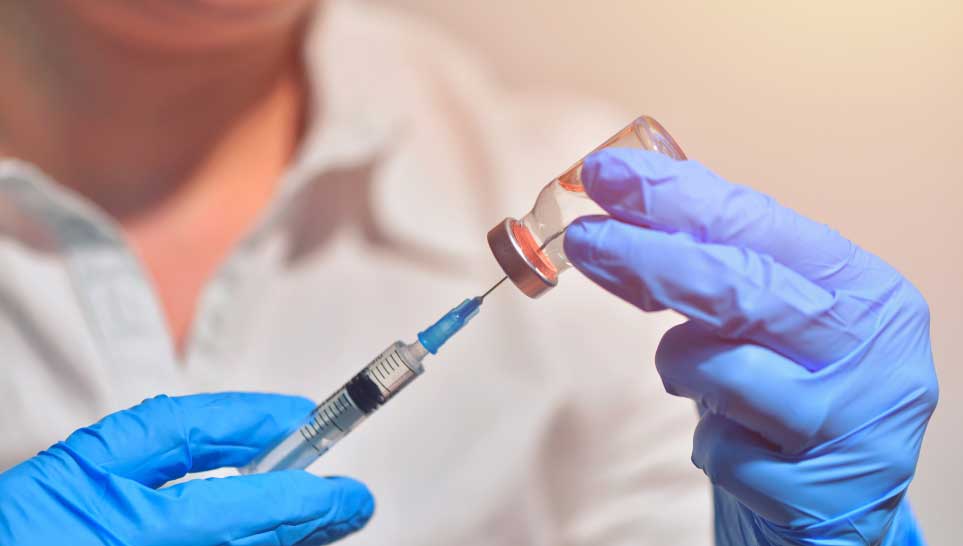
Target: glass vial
(530, 250)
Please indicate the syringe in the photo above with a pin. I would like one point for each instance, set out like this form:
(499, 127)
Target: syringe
(367, 391)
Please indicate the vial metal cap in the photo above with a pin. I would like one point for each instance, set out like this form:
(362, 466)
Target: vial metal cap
(508, 253)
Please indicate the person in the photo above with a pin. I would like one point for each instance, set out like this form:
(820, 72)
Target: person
(256, 195)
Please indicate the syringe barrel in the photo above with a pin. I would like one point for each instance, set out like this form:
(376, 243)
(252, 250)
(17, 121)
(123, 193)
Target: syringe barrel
(344, 410)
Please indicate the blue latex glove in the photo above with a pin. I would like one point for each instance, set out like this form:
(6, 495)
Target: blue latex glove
(99, 487)
(809, 357)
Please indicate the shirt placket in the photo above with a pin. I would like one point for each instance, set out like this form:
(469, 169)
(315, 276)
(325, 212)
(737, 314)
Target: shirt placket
(113, 293)
(120, 305)
(211, 340)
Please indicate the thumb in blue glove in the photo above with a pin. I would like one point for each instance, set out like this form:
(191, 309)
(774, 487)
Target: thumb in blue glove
(809, 357)
(100, 486)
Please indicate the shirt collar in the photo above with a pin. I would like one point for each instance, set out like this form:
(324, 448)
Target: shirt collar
(351, 117)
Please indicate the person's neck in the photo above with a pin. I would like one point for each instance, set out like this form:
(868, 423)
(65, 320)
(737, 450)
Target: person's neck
(130, 127)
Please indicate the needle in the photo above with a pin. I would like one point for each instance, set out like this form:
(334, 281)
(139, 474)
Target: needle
(494, 286)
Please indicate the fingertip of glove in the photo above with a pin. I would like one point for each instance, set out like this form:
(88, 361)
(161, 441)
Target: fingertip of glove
(357, 504)
(605, 169)
(354, 510)
(591, 167)
(580, 238)
(302, 404)
(580, 227)
(612, 175)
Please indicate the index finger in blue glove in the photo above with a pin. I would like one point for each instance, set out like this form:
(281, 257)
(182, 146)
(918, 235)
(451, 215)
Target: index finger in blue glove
(738, 293)
(164, 438)
(655, 191)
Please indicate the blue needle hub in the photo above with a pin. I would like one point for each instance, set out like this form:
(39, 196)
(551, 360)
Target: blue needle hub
(433, 337)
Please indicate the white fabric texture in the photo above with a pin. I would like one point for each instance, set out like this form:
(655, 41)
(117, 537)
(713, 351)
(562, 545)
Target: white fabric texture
(543, 422)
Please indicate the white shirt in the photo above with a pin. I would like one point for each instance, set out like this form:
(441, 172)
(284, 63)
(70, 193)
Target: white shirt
(543, 422)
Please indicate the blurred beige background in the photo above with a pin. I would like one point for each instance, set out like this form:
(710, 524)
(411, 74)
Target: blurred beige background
(849, 111)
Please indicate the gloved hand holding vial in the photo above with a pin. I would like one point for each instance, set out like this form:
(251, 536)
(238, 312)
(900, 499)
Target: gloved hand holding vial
(809, 358)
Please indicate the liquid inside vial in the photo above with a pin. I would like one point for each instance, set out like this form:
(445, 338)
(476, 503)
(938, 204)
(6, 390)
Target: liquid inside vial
(533, 253)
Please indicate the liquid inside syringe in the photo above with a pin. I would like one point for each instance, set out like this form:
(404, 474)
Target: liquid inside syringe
(379, 381)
